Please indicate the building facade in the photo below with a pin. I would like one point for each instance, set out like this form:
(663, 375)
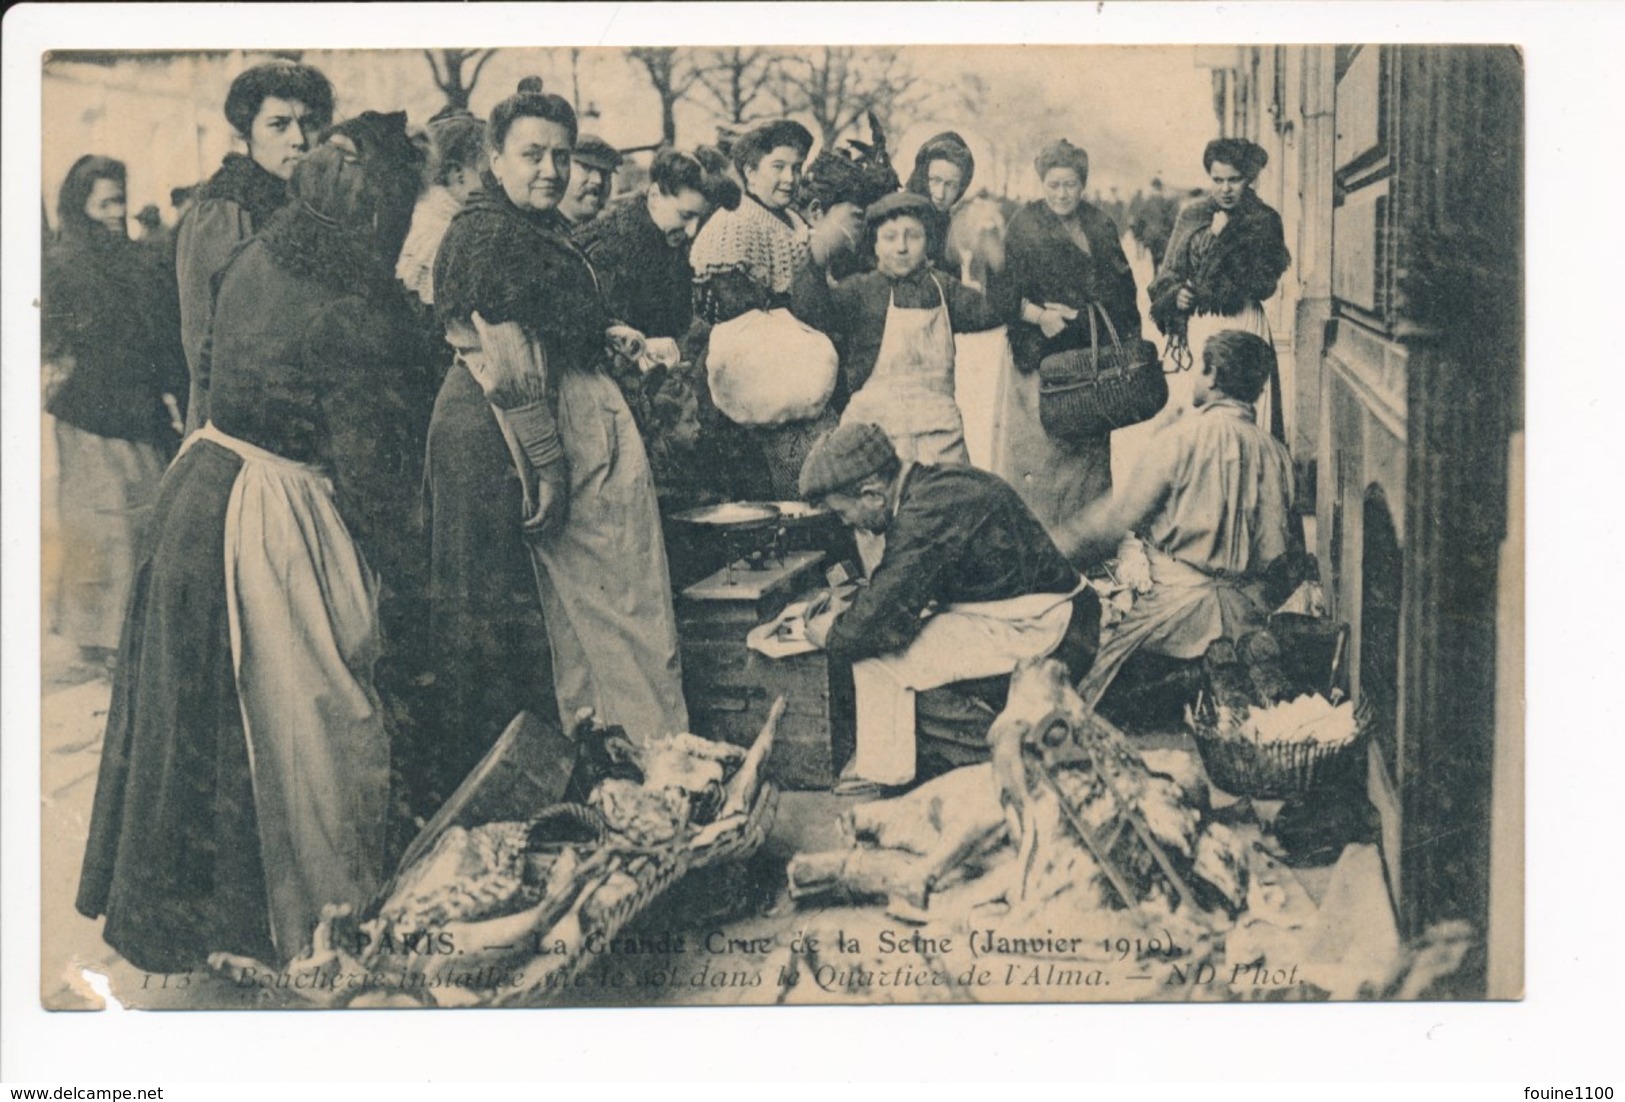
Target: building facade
(1398, 172)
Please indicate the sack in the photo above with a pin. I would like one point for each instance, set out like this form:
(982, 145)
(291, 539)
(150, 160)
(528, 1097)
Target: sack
(767, 367)
(1085, 393)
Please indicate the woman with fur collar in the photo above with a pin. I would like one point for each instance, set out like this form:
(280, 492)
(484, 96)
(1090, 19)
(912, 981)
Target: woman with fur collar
(1226, 255)
(276, 109)
(245, 776)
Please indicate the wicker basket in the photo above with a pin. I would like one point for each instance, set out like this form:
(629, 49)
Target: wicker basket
(1085, 393)
(1271, 770)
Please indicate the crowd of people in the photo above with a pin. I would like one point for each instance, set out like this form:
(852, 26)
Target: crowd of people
(375, 454)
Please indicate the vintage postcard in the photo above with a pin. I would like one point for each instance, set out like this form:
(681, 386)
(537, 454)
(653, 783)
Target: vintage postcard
(781, 525)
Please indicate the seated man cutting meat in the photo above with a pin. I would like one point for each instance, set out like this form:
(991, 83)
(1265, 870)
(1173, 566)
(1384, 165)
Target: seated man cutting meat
(1211, 503)
(968, 584)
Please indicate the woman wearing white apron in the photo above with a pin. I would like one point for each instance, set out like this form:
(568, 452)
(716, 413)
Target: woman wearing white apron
(895, 329)
(245, 777)
(524, 313)
(1227, 253)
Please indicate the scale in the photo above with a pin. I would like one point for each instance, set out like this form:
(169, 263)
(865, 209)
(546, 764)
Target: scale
(754, 534)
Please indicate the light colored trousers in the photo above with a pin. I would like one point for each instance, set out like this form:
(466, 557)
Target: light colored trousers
(960, 643)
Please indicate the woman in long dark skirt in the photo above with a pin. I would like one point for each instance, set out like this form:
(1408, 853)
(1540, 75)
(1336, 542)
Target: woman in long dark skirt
(245, 773)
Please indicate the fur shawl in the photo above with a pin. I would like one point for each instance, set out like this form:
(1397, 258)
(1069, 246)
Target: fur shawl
(514, 265)
(1241, 265)
(240, 180)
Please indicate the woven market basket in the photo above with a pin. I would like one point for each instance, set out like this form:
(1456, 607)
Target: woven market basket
(743, 843)
(1271, 770)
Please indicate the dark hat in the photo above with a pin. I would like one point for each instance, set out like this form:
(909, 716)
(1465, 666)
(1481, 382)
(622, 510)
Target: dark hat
(899, 203)
(595, 152)
(844, 458)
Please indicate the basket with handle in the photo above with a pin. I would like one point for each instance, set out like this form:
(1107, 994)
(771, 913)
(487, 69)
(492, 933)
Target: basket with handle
(1281, 770)
(1085, 393)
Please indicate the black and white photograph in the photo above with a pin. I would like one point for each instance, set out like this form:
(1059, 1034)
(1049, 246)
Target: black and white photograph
(539, 526)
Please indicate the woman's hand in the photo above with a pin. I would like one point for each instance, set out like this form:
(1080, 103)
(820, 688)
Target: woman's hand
(1053, 319)
(552, 500)
(56, 374)
(1185, 299)
(511, 368)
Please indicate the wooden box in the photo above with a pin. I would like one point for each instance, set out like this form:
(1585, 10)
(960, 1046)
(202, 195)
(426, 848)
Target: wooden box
(730, 687)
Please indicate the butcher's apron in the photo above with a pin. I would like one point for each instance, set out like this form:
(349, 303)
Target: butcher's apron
(1186, 610)
(960, 643)
(910, 394)
(603, 580)
(302, 607)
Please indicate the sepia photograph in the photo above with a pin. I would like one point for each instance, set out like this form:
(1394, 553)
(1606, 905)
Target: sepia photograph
(544, 522)
(757, 525)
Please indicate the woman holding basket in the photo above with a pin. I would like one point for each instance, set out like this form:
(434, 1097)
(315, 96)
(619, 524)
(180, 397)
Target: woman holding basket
(1063, 256)
(1226, 255)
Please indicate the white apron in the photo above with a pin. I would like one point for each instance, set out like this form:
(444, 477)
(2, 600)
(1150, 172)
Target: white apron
(960, 643)
(603, 580)
(302, 607)
(979, 370)
(1186, 610)
(910, 394)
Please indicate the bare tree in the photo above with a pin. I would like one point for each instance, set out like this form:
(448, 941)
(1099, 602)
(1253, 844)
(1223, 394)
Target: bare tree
(447, 67)
(673, 75)
(839, 85)
(739, 83)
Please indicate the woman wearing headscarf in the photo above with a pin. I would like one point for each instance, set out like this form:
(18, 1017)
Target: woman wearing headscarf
(1062, 255)
(539, 483)
(1226, 255)
(245, 776)
(943, 169)
(114, 368)
(746, 260)
(275, 109)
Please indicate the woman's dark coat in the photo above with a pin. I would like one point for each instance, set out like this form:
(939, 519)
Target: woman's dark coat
(229, 208)
(1244, 263)
(106, 304)
(1044, 265)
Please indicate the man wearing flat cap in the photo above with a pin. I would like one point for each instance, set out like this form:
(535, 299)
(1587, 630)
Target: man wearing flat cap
(969, 583)
(592, 178)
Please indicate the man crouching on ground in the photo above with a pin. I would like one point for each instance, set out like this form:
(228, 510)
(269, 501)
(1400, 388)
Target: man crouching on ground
(968, 584)
(1212, 504)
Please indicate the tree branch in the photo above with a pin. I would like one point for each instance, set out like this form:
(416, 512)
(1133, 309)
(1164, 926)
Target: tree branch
(434, 69)
(474, 77)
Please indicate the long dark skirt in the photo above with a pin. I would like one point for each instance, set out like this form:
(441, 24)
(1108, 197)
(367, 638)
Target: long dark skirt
(173, 859)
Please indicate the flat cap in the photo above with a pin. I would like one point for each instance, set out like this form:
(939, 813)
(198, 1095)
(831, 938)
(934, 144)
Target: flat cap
(845, 457)
(897, 204)
(595, 152)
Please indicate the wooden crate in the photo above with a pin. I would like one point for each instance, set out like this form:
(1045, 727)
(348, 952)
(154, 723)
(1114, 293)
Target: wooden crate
(730, 689)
